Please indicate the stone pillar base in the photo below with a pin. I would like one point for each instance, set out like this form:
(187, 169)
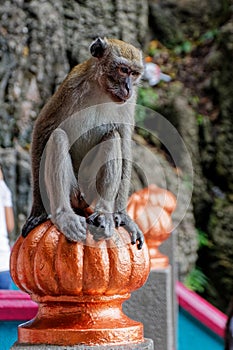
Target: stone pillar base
(153, 306)
(146, 345)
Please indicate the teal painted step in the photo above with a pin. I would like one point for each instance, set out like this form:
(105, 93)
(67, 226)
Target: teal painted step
(192, 335)
(8, 333)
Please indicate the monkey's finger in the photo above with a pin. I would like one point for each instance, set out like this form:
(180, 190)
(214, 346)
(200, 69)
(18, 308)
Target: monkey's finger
(118, 219)
(96, 219)
(140, 239)
(91, 220)
(136, 234)
(133, 236)
(105, 228)
(132, 231)
(101, 221)
(75, 233)
(71, 225)
(97, 232)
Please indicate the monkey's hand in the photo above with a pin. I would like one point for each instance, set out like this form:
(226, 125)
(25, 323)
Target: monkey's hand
(32, 222)
(122, 219)
(101, 225)
(73, 226)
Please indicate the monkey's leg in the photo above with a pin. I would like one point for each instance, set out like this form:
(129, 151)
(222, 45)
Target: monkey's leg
(59, 180)
(32, 222)
(38, 213)
(108, 169)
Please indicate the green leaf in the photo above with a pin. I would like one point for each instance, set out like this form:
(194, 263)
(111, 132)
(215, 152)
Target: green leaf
(147, 97)
(203, 239)
(196, 280)
(187, 47)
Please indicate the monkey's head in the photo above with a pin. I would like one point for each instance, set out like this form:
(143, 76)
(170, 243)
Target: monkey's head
(119, 65)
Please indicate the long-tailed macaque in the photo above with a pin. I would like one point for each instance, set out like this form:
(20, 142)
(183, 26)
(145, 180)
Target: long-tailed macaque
(84, 134)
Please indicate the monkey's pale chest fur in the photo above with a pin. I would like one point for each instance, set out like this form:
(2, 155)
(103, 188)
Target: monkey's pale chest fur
(87, 127)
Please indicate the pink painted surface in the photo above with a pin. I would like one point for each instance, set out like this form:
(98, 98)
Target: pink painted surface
(200, 309)
(16, 306)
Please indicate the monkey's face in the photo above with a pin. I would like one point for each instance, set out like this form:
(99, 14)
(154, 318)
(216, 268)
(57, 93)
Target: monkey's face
(121, 82)
(121, 67)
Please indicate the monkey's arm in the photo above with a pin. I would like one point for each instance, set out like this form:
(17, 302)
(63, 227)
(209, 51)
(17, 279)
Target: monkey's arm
(113, 181)
(106, 172)
(60, 181)
(121, 217)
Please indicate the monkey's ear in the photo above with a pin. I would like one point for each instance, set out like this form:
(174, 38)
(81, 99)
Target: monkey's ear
(98, 47)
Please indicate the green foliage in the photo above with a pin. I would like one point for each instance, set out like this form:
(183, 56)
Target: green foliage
(147, 97)
(200, 119)
(203, 239)
(187, 46)
(209, 35)
(196, 280)
(183, 48)
(152, 51)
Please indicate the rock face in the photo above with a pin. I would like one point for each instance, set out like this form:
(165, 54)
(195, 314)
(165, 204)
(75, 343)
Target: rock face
(220, 226)
(39, 44)
(174, 20)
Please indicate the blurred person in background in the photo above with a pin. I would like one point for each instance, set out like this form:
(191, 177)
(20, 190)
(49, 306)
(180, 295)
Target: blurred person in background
(6, 227)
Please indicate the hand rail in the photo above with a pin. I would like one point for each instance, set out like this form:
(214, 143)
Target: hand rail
(200, 309)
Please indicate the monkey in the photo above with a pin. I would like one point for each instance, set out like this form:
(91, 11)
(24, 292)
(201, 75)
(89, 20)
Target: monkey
(88, 121)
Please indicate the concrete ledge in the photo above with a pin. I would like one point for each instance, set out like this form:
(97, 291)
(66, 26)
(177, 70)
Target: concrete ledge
(146, 345)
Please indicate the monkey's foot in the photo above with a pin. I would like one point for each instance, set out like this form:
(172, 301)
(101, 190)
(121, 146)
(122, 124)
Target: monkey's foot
(101, 225)
(122, 219)
(73, 226)
(32, 222)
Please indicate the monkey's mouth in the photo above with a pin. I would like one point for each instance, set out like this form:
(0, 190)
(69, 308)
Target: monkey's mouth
(119, 95)
(119, 98)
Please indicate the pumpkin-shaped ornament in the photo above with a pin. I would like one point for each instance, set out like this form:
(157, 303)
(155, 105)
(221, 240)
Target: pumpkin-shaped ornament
(151, 209)
(80, 287)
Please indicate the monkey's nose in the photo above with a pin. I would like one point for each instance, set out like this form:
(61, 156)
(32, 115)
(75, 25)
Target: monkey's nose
(127, 87)
(127, 91)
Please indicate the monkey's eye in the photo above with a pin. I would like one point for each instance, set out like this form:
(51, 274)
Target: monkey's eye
(135, 74)
(124, 70)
